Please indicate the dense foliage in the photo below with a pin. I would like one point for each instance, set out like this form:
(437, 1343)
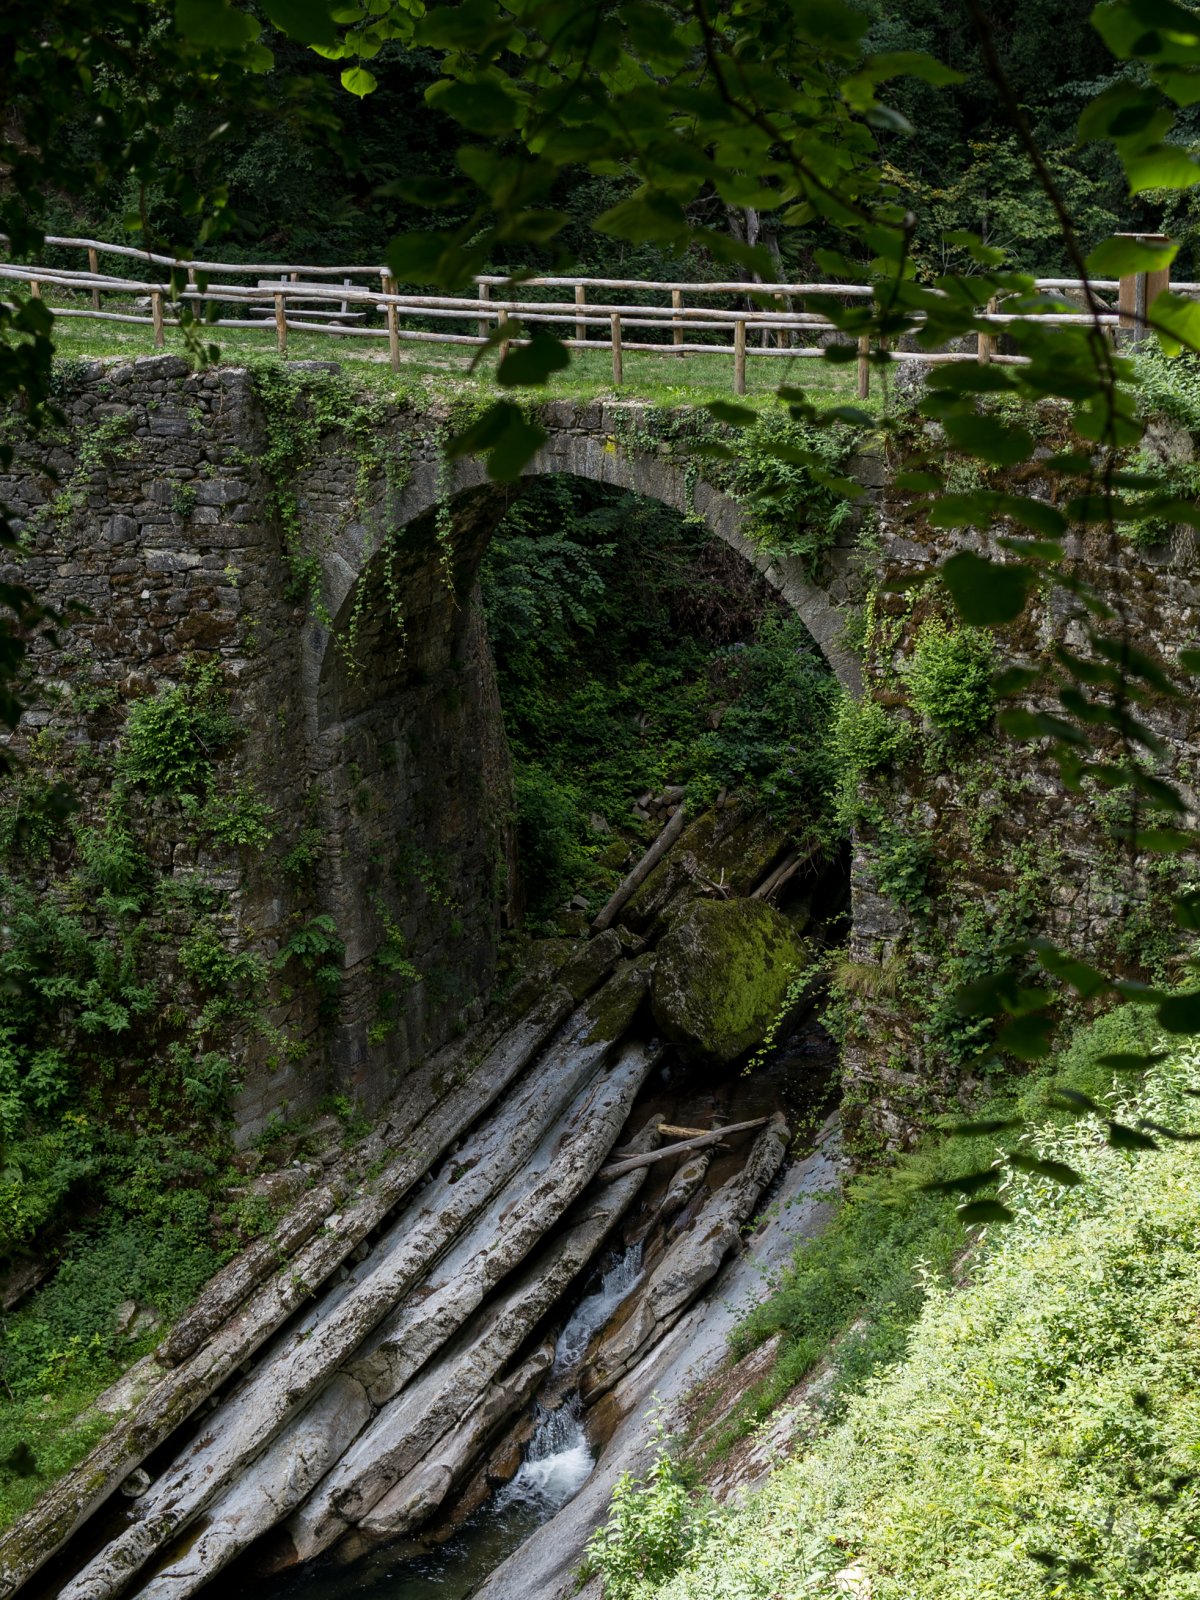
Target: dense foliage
(635, 652)
(1023, 1429)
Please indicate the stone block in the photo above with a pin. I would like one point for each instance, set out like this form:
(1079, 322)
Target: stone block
(120, 528)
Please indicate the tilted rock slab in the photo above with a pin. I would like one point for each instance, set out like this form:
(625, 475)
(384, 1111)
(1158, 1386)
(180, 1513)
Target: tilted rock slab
(690, 1262)
(301, 1455)
(36, 1536)
(385, 1451)
(254, 1413)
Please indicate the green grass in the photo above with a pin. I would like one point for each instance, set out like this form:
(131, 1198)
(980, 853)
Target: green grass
(665, 380)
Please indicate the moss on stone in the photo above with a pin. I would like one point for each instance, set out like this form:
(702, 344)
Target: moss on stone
(722, 974)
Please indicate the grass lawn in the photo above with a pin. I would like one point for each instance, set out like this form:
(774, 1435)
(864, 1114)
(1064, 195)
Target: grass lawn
(664, 380)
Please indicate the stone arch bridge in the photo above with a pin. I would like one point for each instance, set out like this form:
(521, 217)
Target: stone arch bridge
(371, 720)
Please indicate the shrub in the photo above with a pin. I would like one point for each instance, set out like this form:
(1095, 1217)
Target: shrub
(1038, 1434)
(949, 678)
(901, 869)
(652, 1524)
(171, 738)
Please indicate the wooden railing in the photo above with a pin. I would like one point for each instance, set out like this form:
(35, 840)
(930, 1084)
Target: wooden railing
(364, 302)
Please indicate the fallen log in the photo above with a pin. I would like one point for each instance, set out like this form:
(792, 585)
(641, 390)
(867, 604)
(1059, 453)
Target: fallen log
(427, 1486)
(424, 1089)
(619, 1168)
(669, 1131)
(255, 1412)
(641, 871)
(516, 1221)
(36, 1536)
(795, 861)
(433, 1405)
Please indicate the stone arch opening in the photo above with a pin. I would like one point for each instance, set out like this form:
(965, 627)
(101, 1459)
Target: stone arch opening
(414, 767)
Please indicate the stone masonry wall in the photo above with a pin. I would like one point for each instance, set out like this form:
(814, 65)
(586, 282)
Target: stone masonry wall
(152, 512)
(1004, 847)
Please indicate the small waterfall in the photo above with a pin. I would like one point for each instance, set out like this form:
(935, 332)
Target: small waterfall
(594, 1310)
(556, 1465)
(559, 1457)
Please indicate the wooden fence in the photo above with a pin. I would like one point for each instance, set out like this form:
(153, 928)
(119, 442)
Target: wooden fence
(364, 302)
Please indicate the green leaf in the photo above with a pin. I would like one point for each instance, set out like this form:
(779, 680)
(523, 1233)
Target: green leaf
(646, 217)
(1014, 680)
(533, 363)
(358, 81)
(508, 439)
(1117, 257)
(1169, 1133)
(1185, 909)
(480, 104)
(1176, 320)
(986, 593)
(1131, 27)
(736, 416)
(978, 1211)
(1163, 166)
(1056, 1171)
(215, 25)
(1085, 979)
(306, 20)
(1122, 1137)
(1028, 1038)
(982, 1128)
(1165, 841)
(1065, 1099)
(965, 1183)
(997, 443)
(1190, 660)
(1131, 1060)
(1180, 1013)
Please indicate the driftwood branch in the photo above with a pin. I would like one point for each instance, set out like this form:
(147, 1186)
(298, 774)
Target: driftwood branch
(619, 1168)
(642, 871)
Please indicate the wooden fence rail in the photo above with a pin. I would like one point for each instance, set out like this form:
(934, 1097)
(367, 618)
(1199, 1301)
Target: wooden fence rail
(329, 300)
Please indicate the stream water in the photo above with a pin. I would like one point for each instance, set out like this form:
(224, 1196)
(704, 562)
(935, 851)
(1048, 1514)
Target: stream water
(557, 1463)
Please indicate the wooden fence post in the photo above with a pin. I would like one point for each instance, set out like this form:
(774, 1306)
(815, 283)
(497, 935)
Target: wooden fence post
(156, 313)
(35, 289)
(864, 366)
(987, 341)
(618, 364)
(677, 306)
(1138, 290)
(281, 324)
(393, 327)
(580, 300)
(502, 328)
(739, 356)
(94, 269)
(485, 326)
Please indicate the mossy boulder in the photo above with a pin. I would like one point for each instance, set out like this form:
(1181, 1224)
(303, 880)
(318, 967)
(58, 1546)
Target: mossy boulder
(721, 974)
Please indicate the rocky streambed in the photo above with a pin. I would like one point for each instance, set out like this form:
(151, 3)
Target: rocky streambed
(445, 1335)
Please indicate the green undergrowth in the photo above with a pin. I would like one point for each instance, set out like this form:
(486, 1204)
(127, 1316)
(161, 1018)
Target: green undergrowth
(66, 1343)
(852, 1294)
(1037, 1430)
(633, 652)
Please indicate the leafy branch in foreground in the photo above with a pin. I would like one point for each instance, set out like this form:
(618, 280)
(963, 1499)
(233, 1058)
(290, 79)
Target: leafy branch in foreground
(683, 100)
